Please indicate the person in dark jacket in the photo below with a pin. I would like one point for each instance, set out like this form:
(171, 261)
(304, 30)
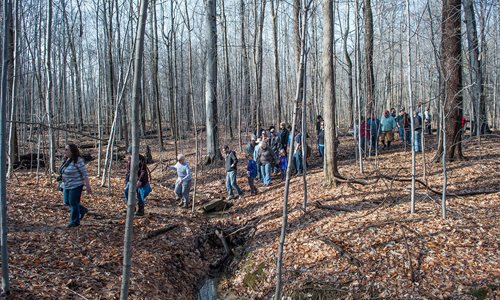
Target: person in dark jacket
(143, 186)
(283, 136)
(250, 147)
(267, 159)
(231, 161)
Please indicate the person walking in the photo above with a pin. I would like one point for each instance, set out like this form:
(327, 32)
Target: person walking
(321, 139)
(417, 123)
(74, 177)
(231, 162)
(183, 181)
(387, 125)
(143, 186)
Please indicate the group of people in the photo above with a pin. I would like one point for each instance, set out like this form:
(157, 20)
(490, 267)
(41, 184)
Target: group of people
(373, 130)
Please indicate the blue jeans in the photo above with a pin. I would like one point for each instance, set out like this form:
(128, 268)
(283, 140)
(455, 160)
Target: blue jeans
(142, 193)
(231, 183)
(73, 196)
(182, 190)
(266, 174)
(297, 161)
(418, 138)
(321, 149)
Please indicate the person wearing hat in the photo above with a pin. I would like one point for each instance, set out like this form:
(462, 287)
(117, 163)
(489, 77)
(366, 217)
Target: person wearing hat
(250, 147)
(143, 186)
(183, 182)
(387, 125)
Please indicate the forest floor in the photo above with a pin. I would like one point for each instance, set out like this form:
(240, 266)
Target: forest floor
(354, 241)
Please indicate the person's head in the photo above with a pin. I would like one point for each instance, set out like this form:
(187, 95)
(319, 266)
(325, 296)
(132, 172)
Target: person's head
(253, 139)
(282, 125)
(71, 151)
(282, 152)
(289, 127)
(181, 158)
(319, 118)
(401, 111)
(249, 157)
(264, 134)
(271, 130)
(393, 110)
(225, 149)
(386, 114)
(263, 145)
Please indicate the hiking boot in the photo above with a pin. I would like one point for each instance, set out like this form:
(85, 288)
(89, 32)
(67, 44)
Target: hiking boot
(72, 225)
(181, 202)
(83, 213)
(140, 211)
(230, 197)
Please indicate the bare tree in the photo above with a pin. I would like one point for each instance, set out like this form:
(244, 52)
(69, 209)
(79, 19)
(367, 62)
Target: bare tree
(330, 170)
(48, 89)
(7, 15)
(300, 76)
(451, 61)
(370, 80)
(129, 225)
(213, 151)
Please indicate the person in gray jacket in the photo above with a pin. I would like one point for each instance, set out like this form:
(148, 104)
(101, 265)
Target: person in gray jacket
(183, 182)
(231, 161)
(267, 160)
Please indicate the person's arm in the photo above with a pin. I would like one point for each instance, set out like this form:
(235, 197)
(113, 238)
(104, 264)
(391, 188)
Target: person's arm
(83, 172)
(234, 159)
(188, 174)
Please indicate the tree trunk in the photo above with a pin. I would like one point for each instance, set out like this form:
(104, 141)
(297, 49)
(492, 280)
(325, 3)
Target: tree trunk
(13, 142)
(300, 76)
(330, 170)
(476, 74)
(154, 75)
(348, 60)
(129, 225)
(213, 151)
(277, 74)
(7, 8)
(370, 81)
(48, 90)
(451, 65)
(228, 103)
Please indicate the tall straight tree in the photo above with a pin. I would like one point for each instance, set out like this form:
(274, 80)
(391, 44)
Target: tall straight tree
(451, 65)
(48, 89)
(136, 95)
(3, 147)
(277, 75)
(476, 70)
(154, 75)
(213, 151)
(330, 158)
(370, 80)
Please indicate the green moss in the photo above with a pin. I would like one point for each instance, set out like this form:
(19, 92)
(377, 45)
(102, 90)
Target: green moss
(480, 293)
(252, 278)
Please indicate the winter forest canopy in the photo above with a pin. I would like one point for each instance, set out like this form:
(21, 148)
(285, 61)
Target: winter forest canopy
(167, 78)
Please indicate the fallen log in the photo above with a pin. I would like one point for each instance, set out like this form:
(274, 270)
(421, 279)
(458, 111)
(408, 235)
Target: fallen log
(332, 207)
(160, 231)
(216, 205)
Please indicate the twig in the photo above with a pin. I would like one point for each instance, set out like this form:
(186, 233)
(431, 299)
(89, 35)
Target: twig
(412, 276)
(351, 259)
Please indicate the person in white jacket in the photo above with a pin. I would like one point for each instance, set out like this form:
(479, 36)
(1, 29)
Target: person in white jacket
(183, 182)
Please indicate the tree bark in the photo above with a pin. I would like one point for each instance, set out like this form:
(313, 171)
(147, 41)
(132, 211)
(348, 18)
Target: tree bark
(129, 225)
(451, 65)
(7, 8)
(213, 151)
(330, 170)
(48, 89)
(277, 74)
(370, 81)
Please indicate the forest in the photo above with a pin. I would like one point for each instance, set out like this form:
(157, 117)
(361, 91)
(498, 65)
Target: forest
(259, 149)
